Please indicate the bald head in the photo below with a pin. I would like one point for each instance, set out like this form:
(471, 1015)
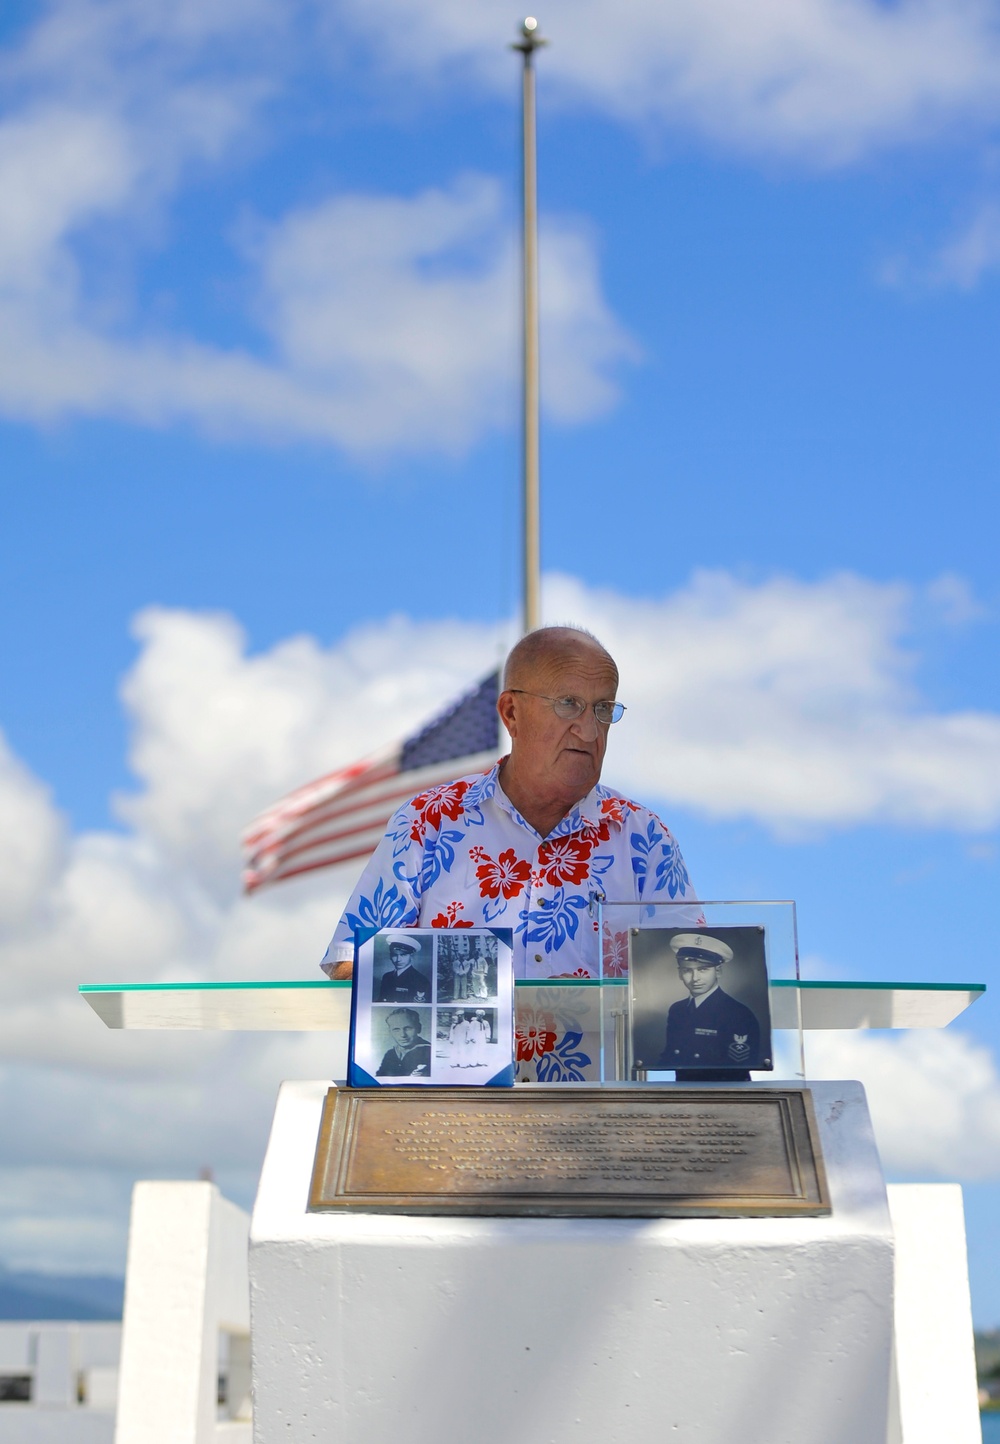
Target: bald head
(548, 649)
(555, 759)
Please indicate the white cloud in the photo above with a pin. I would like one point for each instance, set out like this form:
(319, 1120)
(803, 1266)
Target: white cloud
(402, 313)
(30, 841)
(385, 323)
(966, 258)
(789, 702)
(390, 322)
(218, 734)
(959, 263)
(934, 1097)
(826, 80)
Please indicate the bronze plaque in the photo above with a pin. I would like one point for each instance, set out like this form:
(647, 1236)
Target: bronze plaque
(549, 1152)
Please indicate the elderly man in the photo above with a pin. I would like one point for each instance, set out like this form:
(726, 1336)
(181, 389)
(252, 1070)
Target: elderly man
(534, 843)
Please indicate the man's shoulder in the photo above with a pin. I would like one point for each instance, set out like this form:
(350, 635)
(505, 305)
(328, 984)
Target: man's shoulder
(727, 1003)
(615, 807)
(448, 800)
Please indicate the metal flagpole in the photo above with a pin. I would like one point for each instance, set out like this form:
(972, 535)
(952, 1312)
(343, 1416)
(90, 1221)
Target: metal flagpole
(527, 45)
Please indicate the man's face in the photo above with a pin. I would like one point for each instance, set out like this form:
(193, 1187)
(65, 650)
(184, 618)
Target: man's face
(399, 958)
(569, 753)
(403, 1031)
(699, 977)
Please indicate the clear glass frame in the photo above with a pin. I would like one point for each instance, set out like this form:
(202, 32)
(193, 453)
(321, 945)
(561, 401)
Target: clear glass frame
(776, 919)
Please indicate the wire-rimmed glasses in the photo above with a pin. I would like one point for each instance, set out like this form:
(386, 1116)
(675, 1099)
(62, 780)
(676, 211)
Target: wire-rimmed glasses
(569, 708)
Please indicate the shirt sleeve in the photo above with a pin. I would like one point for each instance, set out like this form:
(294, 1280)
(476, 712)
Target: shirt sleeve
(387, 894)
(667, 878)
(661, 875)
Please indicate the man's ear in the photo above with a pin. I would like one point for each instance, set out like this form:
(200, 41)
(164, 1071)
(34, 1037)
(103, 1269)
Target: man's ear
(507, 709)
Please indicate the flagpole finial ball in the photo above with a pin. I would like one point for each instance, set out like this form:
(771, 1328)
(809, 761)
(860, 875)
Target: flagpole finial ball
(530, 39)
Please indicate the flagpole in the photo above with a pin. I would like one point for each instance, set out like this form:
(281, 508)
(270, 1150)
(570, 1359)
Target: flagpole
(531, 604)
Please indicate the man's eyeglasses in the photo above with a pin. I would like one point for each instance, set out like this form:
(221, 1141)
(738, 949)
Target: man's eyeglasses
(569, 708)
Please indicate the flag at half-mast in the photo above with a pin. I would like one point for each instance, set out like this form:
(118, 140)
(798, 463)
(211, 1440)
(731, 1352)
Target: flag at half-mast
(342, 816)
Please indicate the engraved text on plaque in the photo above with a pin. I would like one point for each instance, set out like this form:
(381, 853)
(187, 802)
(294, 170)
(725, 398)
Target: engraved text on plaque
(583, 1151)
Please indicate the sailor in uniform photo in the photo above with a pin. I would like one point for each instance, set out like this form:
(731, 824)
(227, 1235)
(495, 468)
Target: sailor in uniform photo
(404, 983)
(410, 1055)
(708, 1030)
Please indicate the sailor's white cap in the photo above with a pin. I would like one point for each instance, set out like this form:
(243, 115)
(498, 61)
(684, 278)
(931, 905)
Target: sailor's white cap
(409, 945)
(700, 948)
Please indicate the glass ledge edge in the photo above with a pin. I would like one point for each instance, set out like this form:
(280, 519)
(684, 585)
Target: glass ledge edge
(312, 983)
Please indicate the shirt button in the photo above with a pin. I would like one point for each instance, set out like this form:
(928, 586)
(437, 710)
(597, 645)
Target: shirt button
(538, 957)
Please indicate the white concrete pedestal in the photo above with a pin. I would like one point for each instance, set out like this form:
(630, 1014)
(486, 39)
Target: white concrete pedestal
(379, 1329)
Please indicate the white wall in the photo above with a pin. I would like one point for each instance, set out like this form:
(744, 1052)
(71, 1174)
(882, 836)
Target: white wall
(186, 1279)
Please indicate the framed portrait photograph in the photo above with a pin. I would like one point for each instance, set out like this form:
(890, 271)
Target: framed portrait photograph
(432, 1006)
(699, 999)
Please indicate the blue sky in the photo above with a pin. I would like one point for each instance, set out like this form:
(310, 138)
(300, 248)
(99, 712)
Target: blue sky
(258, 362)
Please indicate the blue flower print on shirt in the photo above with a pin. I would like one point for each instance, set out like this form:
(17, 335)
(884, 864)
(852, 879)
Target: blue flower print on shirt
(643, 845)
(671, 872)
(566, 1062)
(438, 858)
(553, 920)
(386, 908)
(399, 829)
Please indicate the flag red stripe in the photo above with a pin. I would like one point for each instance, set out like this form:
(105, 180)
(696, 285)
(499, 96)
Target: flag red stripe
(251, 884)
(325, 815)
(413, 783)
(332, 837)
(267, 821)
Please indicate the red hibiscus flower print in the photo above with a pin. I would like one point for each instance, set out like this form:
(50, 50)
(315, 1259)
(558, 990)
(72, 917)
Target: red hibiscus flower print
(506, 875)
(615, 953)
(576, 973)
(614, 808)
(535, 1034)
(439, 802)
(564, 859)
(448, 919)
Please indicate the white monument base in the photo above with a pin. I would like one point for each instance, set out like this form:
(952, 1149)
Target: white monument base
(380, 1328)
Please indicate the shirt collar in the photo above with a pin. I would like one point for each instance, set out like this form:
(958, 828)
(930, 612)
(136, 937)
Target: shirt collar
(586, 814)
(705, 996)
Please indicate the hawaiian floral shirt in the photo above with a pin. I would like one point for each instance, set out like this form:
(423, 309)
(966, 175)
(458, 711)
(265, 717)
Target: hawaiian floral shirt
(461, 855)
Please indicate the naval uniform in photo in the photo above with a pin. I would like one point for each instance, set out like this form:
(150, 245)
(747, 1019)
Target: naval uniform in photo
(408, 986)
(413, 1060)
(711, 1037)
(716, 1031)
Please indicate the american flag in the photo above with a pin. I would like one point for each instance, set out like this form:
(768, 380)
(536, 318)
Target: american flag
(342, 816)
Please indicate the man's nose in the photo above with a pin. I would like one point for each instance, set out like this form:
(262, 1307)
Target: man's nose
(587, 727)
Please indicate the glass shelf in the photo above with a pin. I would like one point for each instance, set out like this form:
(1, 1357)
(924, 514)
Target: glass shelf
(323, 1006)
(302, 1007)
(826, 1005)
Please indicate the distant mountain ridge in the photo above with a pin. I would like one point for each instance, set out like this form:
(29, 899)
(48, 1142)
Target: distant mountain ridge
(25, 1294)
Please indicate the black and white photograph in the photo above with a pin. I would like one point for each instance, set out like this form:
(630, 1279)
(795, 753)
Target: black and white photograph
(432, 1006)
(466, 967)
(699, 1001)
(402, 1036)
(403, 966)
(467, 1038)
